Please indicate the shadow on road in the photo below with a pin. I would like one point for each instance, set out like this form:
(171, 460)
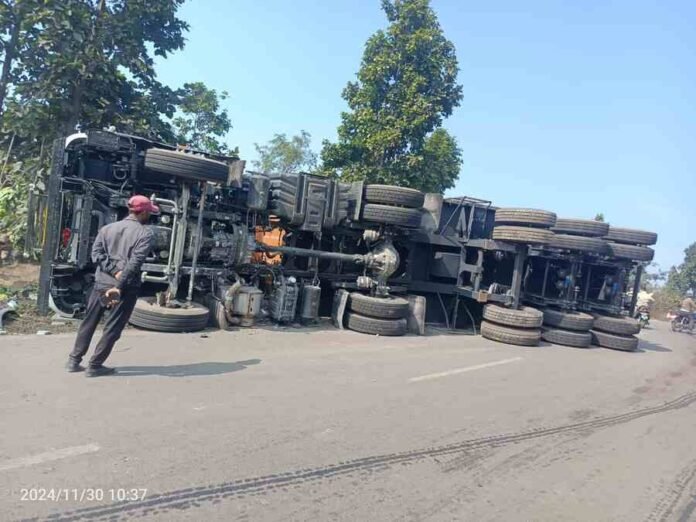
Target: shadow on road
(647, 346)
(186, 370)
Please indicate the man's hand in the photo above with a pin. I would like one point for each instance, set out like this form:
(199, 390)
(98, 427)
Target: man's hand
(112, 296)
(118, 275)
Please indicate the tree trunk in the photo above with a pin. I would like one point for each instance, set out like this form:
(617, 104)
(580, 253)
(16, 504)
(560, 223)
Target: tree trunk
(10, 55)
(75, 108)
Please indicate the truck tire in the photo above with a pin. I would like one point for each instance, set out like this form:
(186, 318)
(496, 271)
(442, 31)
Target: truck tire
(374, 326)
(147, 314)
(631, 236)
(568, 320)
(525, 317)
(184, 165)
(581, 227)
(566, 337)
(392, 195)
(505, 334)
(390, 215)
(616, 325)
(632, 252)
(379, 307)
(525, 216)
(591, 245)
(527, 235)
(626, 343)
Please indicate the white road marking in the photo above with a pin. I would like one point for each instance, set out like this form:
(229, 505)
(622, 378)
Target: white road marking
(49, 456)
(463, 370)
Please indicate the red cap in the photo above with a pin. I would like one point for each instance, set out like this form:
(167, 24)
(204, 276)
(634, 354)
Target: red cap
(142, 204)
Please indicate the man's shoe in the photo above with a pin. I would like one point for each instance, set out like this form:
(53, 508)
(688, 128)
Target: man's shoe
(73, 366)
(99, 371)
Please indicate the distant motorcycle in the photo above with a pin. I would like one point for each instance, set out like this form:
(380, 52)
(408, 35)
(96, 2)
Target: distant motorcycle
(643, 316)
(683, 322)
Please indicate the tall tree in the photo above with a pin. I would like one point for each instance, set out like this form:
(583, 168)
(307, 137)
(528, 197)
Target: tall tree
(13, 26)
(405, 88)
(201, 122)
(683, 278)
(283, 156)
(91, 62)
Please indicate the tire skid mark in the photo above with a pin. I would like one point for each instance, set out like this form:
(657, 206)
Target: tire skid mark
(665, 508)
(183, 498)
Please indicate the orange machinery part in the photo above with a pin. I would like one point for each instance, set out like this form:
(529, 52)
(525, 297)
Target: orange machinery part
(272, 237)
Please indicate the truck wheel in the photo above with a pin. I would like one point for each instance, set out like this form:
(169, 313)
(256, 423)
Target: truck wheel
(578, 243)
(632, 252)
(616, 325)
(149, 315)
(525, 216)
(392, 195)
(631, 236)
(527, 235)
(525, 317)
(505, 334)
(379, 307)
(568, 320)
(626, 343)
(184, 165)
(566, 337)
(581, 227)
(371, 325)
(389, 215)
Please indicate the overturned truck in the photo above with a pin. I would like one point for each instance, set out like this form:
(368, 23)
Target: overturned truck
(232, 247)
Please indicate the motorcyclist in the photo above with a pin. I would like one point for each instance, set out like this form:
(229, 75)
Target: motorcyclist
(687, 309)
(644, 302)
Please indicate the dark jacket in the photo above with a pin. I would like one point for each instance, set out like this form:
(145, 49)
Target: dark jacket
(121, 247)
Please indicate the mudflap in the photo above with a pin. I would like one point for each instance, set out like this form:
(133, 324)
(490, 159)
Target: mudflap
(340, 303)
(416, 314)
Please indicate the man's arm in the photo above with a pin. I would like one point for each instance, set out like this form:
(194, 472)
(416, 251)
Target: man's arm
(140, 251)
(101, 258)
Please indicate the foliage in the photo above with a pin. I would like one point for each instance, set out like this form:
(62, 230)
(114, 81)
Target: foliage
(599, 217)
(201, 122)
(683, 277)
(405, 88)
(91, 63)
(653, 277)
(15, 178)
(665, 299)
(283, 156)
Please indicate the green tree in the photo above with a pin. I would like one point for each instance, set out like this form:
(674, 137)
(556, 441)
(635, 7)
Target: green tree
(405, 88)
(599, 217)
(89, 62)
(683, 277)
(202, 123)
(283, 156)
(86, 62)
(15, 20)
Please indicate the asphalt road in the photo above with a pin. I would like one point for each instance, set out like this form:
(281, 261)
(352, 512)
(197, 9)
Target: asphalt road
(319, 424)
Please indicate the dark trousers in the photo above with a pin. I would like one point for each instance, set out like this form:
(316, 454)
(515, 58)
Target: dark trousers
(113, 326)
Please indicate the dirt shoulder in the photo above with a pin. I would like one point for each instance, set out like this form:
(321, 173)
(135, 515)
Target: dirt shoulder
(18, 288)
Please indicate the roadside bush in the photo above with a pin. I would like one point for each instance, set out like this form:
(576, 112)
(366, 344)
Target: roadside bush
(666, 299)
(15, 180)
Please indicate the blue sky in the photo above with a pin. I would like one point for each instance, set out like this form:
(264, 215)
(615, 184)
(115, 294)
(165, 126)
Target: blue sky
(575, 107)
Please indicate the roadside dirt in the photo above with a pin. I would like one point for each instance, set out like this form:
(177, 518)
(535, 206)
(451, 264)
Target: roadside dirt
(19, 283)
(18, 276)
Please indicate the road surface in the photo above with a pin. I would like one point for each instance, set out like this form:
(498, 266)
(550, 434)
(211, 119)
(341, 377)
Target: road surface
(317, 424)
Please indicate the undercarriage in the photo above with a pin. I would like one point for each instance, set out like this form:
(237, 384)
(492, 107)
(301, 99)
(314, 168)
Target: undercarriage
(232, 247)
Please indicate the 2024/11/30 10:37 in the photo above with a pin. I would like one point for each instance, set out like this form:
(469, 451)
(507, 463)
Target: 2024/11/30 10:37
(82, 494)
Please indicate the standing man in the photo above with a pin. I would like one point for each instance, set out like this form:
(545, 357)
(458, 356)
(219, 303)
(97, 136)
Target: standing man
(119, 251)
